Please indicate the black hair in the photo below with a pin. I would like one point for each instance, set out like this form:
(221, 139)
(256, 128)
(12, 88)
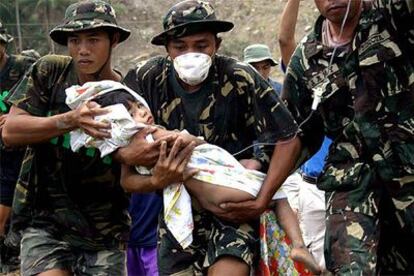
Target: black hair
(119, 96)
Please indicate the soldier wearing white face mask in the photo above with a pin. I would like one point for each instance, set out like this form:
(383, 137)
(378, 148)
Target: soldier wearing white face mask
(230, 105)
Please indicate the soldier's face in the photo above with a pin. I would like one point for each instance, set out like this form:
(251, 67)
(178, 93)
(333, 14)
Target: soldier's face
(89, 50)
(263, 67)
(205, 42)
(335, 10)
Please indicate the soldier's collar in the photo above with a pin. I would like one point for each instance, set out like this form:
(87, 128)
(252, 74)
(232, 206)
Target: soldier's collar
(313, 44)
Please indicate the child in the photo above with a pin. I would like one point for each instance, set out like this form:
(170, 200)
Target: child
(220, 178)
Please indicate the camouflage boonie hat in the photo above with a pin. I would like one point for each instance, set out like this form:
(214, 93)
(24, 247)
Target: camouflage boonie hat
(87, 15)
(189, 17)
(257, 53)
(31, 53)
(4, 36)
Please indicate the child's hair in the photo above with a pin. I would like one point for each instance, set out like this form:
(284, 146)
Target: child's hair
(115, 97)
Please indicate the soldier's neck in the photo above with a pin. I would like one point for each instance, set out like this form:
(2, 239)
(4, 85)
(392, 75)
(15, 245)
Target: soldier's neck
(106, 74)
(348, 29)
(189, 88)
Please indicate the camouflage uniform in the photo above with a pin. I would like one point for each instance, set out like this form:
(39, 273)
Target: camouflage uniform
(240, 107)
(69, 203)
(11, 159)
(367, 109)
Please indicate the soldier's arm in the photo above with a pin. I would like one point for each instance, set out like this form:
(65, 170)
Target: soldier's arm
(23, 128)
(132, 182)
(287, 42)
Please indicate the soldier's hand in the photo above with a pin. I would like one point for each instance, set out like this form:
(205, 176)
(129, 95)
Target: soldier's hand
(242, 212)
(171, 168)
(84, 117)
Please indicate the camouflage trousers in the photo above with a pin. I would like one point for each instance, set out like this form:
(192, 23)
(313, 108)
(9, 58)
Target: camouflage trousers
(40, 251)
(370, 229)
(212, 239)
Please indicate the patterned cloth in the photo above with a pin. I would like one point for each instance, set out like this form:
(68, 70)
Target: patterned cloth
(367, 109)
(216, 166)
(275, 250)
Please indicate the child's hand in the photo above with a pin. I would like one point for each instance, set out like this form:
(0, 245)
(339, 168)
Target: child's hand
(139, 151)
(188, 138)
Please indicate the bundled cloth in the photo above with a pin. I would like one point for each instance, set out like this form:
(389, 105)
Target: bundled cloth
(123, 127)
(215, 165)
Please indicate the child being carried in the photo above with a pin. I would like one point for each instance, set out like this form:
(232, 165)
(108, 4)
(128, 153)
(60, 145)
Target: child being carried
(220, 177)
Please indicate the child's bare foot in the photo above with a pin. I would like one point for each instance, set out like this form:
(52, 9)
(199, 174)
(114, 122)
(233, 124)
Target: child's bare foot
(302, 255)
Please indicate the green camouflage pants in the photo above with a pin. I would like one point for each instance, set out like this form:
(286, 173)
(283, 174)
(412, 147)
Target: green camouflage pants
(40, 251)
(370, 228)
(212, 239)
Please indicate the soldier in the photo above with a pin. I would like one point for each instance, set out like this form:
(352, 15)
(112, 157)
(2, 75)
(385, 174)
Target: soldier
(258, 55)
(230, 105)
(69, 206)
(12, 69)
(351, 79)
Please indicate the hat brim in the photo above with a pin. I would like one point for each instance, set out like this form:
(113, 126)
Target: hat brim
(60, 33)
(253, 60)
(215, 26)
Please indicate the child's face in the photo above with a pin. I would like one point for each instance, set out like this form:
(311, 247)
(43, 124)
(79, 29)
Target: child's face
(140, 113)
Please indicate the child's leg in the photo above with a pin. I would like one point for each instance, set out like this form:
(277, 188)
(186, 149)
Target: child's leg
(288, 221)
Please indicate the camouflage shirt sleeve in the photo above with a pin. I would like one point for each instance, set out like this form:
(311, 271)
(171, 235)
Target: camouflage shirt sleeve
(266, 112)
(33, 92)
(269, 114)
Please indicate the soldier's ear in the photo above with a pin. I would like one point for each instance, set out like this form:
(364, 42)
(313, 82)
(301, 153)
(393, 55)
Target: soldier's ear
(114, 39)
(218, 42)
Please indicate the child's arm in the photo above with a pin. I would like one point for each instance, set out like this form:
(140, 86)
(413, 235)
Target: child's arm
(186, 137)
(135, 183)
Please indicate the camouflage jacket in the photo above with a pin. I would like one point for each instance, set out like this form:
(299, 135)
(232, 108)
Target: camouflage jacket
(76, 195)
(12, 72)
(240, 108)
(367, 103)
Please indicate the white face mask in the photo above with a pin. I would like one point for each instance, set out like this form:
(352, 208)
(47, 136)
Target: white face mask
(192, 68)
